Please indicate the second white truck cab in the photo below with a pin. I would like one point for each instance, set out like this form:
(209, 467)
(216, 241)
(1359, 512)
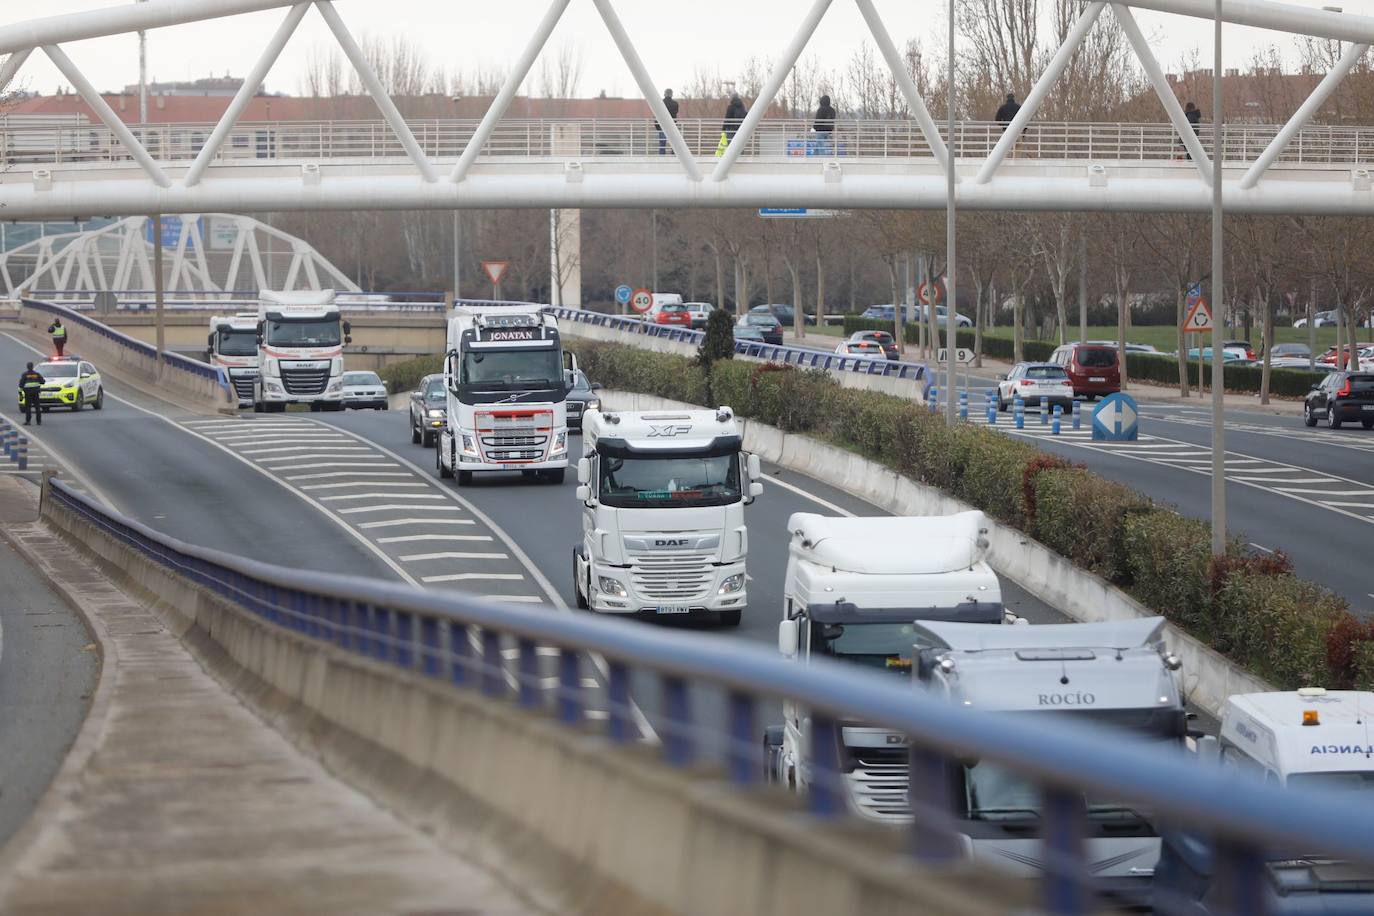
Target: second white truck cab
(233, 346)
(1306, 738)
(663, 497)
(300, 345)
(855, 591)
(1116, 675)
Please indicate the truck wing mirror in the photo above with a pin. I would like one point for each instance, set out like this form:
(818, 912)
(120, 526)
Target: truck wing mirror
(755, 467)
(348, 327)
(788, 637)
(755, 489)
(210, 340)
(583, 493)
(584, 470)
(348, 338)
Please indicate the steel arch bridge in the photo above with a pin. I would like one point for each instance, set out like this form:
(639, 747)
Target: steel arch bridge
(213, 253)
(495, 162)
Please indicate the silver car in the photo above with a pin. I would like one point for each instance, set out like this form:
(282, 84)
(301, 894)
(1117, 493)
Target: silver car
(363, 390)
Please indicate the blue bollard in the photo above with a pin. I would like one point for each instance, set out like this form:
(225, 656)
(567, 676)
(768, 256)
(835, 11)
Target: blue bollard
(21, 452)
(1019, 410)
(1077, 413)
(6, 431)
(992, 414)
(934, 399)
(1044, 410)
(963, 405)
(1058, 414)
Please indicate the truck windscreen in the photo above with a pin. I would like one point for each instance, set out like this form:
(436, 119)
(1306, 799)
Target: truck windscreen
(993, 793)
(886, 646)
(310, 332)
(667, 482)
(237, 343)
(515, 369)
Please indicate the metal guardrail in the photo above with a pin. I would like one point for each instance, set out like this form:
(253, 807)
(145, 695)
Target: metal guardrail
(801, 357)
(570, 138)
(461, 641)
(170, 358)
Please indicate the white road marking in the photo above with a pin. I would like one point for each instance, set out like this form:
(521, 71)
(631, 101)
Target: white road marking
(342, 474)
(397, 522)
(815, 499)
(453, 555)
(1259, 547)
(325, 499)
(1245, 479)
(1353, 505)
(389, 507)
(302, 448)
(364, 483)
(518, 599)
(1323, 492)
(474, 577)
(411, 538)
(366, 465)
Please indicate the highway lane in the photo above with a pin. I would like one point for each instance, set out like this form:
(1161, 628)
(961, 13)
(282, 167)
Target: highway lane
(544, 520)
(136, 454)
(1270, 504)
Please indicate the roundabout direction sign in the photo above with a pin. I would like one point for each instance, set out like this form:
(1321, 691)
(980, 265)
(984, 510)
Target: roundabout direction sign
(623, 294)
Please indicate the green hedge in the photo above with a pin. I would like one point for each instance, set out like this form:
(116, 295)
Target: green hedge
(1244, 606)
(405, 376)
(1240, 379)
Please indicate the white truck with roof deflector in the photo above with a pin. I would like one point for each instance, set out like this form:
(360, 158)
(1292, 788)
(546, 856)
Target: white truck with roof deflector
(233, 346)
(855, 589)
(1305, 738)
(507, 379)
(300, 350)
(1116, 675)
(663, 497)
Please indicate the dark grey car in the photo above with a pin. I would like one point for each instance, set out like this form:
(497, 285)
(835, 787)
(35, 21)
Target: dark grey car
(583, 395)
(428, 410)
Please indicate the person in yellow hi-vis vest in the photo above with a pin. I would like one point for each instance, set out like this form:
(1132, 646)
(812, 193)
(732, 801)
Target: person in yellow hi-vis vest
(59, 335)
(734, 116)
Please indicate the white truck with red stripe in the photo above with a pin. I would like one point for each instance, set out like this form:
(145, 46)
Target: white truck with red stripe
(233, 347)
(507, 380)
(300, 350)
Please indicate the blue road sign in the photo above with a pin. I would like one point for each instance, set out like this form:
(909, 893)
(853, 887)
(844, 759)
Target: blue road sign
(623, 294)
(775, 212)
(172, 227)
(1116, 419)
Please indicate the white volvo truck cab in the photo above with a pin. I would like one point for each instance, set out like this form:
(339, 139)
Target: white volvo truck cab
(663, 496)
(855, 590)
(300, 346)
(1307, 738)
(1117, 676)
(233, 347)
(505, 372)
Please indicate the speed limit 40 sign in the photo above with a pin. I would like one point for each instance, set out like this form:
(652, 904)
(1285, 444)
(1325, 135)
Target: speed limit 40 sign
(641, 300)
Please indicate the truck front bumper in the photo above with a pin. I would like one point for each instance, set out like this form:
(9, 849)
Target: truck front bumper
(709, 602)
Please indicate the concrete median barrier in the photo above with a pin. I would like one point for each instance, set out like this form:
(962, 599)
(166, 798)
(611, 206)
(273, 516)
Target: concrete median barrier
(1209, 678)
(186, 380)
(593, 827)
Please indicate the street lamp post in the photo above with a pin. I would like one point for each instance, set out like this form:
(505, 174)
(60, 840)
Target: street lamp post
(951, 268)
(1218, 308)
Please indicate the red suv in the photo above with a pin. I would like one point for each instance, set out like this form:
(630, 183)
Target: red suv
(1093, 369)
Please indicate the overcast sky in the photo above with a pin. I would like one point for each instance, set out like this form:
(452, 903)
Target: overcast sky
(674, 38)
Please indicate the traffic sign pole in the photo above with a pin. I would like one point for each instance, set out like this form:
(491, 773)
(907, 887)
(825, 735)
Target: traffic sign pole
(1218, 290)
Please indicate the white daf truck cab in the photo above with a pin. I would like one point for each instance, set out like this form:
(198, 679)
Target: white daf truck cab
(1305, 738)
(1117, 676)
(663, 496)
(854, 592)
(233, 347)
(300, 346)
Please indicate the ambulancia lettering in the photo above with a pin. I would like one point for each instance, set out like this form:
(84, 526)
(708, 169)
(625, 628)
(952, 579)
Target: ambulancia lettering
(667, 432)
(1366, 749)
(1067, 699)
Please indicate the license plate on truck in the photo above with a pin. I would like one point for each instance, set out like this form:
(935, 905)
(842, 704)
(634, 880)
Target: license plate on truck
(672, 609)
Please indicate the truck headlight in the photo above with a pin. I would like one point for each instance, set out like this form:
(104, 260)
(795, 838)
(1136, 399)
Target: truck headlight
(336, 385)
(469, 447)
(731, 584)
(560, 444)
(272, 386)
(611, 586)
(436, 414)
